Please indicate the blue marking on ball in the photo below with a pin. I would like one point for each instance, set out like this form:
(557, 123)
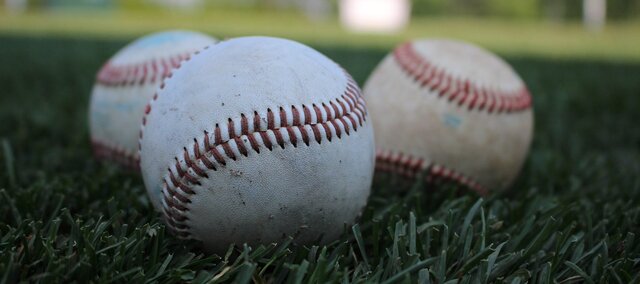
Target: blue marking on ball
(452, 120)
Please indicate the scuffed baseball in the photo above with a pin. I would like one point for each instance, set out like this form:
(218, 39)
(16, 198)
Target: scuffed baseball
(450, 109)
(255, 139)
(126, 83)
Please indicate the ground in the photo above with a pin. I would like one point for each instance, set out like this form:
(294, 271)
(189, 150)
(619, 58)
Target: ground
(573, 215)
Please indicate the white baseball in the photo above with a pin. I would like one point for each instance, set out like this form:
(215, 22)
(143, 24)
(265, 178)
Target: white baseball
(126, 83)
(255, 139)
(451, 109)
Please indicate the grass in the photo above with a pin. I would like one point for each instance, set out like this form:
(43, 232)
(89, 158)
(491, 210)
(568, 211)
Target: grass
(619, 41)
(572, 217)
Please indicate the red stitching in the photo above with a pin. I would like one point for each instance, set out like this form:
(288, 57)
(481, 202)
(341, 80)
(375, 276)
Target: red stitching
(166, 74)
(411, 166)
(244, 125)
(122, 75)
(177, 191)
(293, 139)
(104, 151)
(115, 75)
(307, 115)
(254, 143)
(270, 119)
(231, 128)
(425, 73)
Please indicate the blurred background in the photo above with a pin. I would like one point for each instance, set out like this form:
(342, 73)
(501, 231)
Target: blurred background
(608, 29)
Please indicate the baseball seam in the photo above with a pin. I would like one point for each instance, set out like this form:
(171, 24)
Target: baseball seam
(460, 91)
(141, 73)
(113, 152)
(276, 127)
(147, 108)
(411, 166)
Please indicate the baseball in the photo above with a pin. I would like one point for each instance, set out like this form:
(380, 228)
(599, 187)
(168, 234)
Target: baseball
(452, 110)
(126, 83)
(255, 139)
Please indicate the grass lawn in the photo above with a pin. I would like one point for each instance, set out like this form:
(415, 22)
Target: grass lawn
(572, 217)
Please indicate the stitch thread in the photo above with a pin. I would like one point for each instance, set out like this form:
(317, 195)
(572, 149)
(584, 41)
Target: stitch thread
(411, 166)
(140, 73)
(120, 155)
(459, 91)
(291, 125)
(147, 108)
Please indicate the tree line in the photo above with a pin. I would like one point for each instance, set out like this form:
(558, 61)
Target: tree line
(526, 9)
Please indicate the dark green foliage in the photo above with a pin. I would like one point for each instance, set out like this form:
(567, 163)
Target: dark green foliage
(523, 9)
(573, 216)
